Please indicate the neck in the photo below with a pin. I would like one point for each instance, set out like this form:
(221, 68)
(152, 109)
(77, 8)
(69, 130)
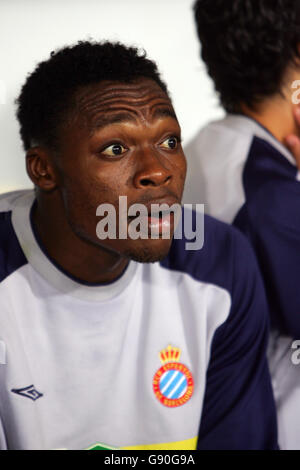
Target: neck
(80, 258)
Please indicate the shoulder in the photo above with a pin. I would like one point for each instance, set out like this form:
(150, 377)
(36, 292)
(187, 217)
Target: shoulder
(272, 188)
(219, 136)
(11, 254)
(7, 200)
(268, 162)
(226, 259)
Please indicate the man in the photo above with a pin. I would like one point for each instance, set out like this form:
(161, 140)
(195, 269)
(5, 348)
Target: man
(243, 168)
(113, 342)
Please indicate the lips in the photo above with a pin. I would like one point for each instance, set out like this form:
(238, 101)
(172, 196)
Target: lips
(159, 214)
(159, 222)
(163, 224)
(169, 201)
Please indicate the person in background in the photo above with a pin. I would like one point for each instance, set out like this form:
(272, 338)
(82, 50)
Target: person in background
(244, 167)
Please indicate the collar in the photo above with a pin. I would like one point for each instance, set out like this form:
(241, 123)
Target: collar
(52, 273)
(249, 126)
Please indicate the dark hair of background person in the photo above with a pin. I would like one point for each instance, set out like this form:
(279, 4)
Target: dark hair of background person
(46, 97)
(247, 46)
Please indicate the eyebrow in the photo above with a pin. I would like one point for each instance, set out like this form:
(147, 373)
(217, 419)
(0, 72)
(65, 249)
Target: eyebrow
(116, 118)
(165, 112)
(121, 117)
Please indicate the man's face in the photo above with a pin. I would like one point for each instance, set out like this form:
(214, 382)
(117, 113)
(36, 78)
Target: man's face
(124, 141)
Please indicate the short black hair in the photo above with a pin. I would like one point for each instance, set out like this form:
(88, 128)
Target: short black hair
(247, 46)
(47, 94)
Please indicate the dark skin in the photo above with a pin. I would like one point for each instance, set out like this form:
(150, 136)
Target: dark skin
(121, 140)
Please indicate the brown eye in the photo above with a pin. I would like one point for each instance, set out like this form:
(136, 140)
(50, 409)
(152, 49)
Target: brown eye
(114, 150)
(170, 143)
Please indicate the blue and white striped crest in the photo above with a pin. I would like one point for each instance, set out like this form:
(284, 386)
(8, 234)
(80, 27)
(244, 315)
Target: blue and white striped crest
(173, 384)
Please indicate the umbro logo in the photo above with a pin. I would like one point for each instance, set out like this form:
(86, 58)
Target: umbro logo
(29, 392)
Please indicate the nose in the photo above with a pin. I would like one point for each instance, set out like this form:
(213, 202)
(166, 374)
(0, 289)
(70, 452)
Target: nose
(151, 171)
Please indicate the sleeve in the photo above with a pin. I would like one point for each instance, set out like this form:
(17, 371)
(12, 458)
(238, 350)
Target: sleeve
(239, 411)
(271, 222)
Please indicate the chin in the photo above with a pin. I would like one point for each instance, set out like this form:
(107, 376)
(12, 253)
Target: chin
(148, 253)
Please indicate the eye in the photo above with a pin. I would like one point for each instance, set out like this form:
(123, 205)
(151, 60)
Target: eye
(170, 143)
(114, 150)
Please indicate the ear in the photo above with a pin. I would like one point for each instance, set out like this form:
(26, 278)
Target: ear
(40, 170)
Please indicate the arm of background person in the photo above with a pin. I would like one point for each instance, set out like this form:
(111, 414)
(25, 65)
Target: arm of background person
(239, 411)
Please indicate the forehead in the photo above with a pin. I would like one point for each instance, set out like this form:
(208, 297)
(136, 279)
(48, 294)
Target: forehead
(108, 102)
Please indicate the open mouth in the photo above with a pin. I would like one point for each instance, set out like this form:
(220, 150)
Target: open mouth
(155, 220)
(155, 224)
(159, 215)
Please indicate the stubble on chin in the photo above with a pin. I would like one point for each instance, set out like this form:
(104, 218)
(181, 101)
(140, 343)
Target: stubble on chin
(146, 255)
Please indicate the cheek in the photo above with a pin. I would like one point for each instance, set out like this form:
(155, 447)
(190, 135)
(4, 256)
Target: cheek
(91, 187)
(183, 162)
(82, 196)
(180, 168)
(184, 169)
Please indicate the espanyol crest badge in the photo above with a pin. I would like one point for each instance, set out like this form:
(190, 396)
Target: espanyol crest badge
(173, 383)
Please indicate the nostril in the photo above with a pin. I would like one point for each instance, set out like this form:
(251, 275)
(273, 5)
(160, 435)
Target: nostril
(154, 181)
(146, 182)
